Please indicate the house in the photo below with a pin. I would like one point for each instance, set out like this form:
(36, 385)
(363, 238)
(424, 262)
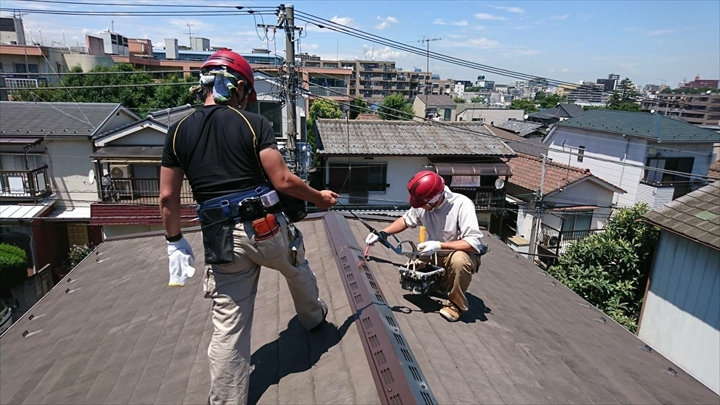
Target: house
(527, 146)
(575, 204)
(433, 106)
(46, 190)
(530, 130)
(114, 332)
(370, 162)
(680, 317)
(476, 112)
(552, 115)
(625, 149)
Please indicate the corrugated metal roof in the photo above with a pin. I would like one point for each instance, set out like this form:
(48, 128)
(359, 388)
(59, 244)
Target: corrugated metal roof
(519, 127)
(641, 124)
(15, 212)
(407, 138)
(695, 216)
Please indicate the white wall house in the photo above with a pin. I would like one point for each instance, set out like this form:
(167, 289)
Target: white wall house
(476, 112)
(617, 146)
(680, 317)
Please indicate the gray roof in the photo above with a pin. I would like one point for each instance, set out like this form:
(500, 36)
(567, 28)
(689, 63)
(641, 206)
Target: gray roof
(147, 119)
(521, 128)
(642, 125)
(695, 216)
(529, 146)
(113, 332)
(407, 138)
(170, 116)
(561, 111)
(437, 100)
(19, 118)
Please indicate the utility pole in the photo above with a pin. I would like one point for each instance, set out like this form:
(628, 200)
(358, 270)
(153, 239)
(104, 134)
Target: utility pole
(427, 70)
(286, 21)
(537, 213)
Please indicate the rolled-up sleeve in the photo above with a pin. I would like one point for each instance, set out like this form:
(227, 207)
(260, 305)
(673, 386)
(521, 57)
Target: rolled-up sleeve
(411, 218)
(469, 228)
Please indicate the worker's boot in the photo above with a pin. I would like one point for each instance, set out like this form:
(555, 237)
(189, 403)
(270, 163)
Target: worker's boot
(450, 312)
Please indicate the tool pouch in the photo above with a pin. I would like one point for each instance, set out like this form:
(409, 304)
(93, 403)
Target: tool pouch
(217, 231)
(295, 209)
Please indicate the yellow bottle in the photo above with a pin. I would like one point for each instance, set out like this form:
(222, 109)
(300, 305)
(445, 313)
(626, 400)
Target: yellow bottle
(423, 235)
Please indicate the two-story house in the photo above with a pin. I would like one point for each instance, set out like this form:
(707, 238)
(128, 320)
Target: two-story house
(370, 162)
(440, 107)
(655, 159)
(46, 189)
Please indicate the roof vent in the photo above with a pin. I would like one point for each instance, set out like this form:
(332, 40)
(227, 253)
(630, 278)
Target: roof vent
(671, 372)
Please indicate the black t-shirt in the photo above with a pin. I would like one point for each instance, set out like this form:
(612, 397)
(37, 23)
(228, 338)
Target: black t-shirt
(214, 147)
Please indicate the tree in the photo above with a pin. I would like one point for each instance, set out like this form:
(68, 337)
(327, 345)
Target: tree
(320, 108)
(395, 107)
(359, 106)
(521, 104)
(13, 266)
(149, 96)
(476, 100)
(610, 269)
(459, 100)
(624, 98)
(473, 89)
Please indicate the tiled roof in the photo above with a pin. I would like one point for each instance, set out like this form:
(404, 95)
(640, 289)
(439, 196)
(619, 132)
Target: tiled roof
(437, 100)
(407, 138)
(561, 111)
(528, 146)
(113, 332)
(170, 116)
(521, 128)
(714, 171)
(18, 118)
(642, 125)
(695, 216)
(527, 173)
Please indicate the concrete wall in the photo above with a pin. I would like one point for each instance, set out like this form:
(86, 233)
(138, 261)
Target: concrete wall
(87, 62)
(145, 137)
(654, 196)
(681, 315)
(399, 171)
(69, 166)
(496, 115)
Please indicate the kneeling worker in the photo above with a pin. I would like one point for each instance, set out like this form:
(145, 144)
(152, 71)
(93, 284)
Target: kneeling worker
(452, 232)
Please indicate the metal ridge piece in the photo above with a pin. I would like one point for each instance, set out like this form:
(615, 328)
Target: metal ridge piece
(398, 378)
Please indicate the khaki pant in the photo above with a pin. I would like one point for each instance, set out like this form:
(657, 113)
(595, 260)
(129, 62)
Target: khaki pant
(232, 288)
(459, 268)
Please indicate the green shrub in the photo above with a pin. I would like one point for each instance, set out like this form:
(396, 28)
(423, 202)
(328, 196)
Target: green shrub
(13, 266)
(610, 269)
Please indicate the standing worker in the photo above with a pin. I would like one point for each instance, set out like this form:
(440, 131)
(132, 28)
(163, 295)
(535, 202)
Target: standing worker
(235, 170)
(454, 239)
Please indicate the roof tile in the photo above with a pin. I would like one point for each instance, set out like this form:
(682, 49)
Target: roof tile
(18, 118)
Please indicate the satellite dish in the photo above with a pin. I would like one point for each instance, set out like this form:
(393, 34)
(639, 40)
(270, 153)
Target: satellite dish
(525, 116)
(652, 111)
(91, 177)
(499, 184)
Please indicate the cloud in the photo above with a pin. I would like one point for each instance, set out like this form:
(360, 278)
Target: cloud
(649, 32)
(346, 21)
(516, 10)
(386, 22)
(553, 18)
(461, 23)
(660, 32)
(385, 53)
(477, 43)
(486, 16)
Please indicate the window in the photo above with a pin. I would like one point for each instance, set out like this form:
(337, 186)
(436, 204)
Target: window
(447, 114)
(358, 178)
(579, 221)
(272, 111)
(581, 153)
(31, 68)
(657, 177)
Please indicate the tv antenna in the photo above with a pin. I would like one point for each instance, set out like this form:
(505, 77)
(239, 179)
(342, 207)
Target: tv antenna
(189, 35)
(427, 71)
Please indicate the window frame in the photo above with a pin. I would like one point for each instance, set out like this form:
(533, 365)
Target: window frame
(658, 178)
(341, 185)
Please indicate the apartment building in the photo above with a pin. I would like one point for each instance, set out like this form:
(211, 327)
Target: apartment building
(701, 109)
(374, 80)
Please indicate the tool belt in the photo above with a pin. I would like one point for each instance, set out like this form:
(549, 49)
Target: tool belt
(219, 215)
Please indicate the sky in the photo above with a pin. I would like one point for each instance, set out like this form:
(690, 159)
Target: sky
(659, 42)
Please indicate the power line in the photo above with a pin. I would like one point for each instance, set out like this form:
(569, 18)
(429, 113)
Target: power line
(154, 5)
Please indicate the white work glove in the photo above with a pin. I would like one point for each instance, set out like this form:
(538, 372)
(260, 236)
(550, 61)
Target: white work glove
(429, 248)
(181, 260)
(371, 238)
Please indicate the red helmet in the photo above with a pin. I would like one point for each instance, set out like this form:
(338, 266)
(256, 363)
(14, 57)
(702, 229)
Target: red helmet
(423, 187)
(233, 61)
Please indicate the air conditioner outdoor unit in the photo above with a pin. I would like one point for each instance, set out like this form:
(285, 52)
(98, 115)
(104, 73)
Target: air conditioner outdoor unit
(121, 175)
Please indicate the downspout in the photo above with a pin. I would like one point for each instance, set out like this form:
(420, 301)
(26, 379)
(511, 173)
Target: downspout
(622, 172)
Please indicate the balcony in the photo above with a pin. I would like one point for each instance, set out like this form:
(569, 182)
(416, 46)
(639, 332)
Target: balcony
(25, 185)
(328, 92)
(485, 198)
(555, 242)
(140, 191)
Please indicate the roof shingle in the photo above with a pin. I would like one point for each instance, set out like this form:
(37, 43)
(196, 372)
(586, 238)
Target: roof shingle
(642, 125)
(695, 216)
(408, 138)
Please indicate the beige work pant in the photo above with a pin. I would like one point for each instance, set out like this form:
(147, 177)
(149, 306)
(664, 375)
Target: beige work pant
(232, 288)
(459, 268)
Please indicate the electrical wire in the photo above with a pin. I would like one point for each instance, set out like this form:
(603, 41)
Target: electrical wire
(154, 5)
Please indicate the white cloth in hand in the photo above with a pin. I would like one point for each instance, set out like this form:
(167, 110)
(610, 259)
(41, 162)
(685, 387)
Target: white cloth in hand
(429, 248)
(181, 260)
(371, 238)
